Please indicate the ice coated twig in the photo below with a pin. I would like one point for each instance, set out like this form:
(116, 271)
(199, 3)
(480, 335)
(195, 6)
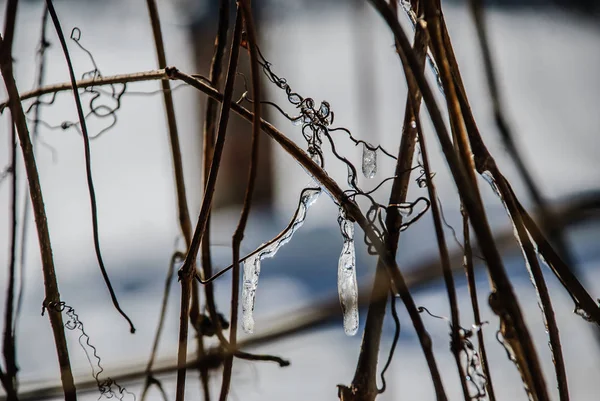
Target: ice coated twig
(252, 262)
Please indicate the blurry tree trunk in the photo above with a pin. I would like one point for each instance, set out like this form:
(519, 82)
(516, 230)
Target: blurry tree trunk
(233, 174)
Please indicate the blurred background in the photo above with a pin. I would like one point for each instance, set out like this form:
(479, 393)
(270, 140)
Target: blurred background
(546, 55)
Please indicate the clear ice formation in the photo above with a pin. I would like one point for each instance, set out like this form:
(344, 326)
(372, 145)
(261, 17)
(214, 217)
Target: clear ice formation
(369, 161)
(347, 286)
(251, 264)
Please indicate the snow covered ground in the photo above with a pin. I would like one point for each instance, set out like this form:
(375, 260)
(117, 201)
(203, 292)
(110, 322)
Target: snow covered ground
(547, 63)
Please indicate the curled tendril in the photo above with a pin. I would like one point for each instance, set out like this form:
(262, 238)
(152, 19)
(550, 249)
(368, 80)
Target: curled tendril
(108, 388)
(103, 103)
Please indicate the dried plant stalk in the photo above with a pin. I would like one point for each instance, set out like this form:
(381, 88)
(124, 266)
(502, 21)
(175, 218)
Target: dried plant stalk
(35, 191)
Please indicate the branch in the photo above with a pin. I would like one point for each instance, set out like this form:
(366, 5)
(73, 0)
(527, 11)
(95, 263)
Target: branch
(467, 263)
(456, 341)
(238, 235)
(88, 165)
(209, 136)
(185, 223)
(187, 272)
(86, 83)
(35, 191)
(9, 381)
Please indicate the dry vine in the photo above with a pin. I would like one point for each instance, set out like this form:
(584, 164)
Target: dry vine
(381, 224)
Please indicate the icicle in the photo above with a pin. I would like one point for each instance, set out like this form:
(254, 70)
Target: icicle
(347, 286)
(369, 161)
(251, 273)
(252, 263)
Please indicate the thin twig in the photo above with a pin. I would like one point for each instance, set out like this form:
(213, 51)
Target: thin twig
(8, 344)
(238, 235)
(210, 125)
(470, 273)
(187, 271)
(88, 165)
(86, 83)
(456, 342)
(539, 284)
(209, 133)
(177, 256)
(50, 282)
(486, 165)
(185, 222)
(43, 43)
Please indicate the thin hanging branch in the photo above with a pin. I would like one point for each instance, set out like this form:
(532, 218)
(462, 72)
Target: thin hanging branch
(88, 165)
(50, 282)
(456, 342)
(470, 274)
(185, 222)
(539, 284)
(210, 127)
(177, 257)
(238, 235)
(186, 274)
(209, 137)
(9, 379)
(43, 45)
